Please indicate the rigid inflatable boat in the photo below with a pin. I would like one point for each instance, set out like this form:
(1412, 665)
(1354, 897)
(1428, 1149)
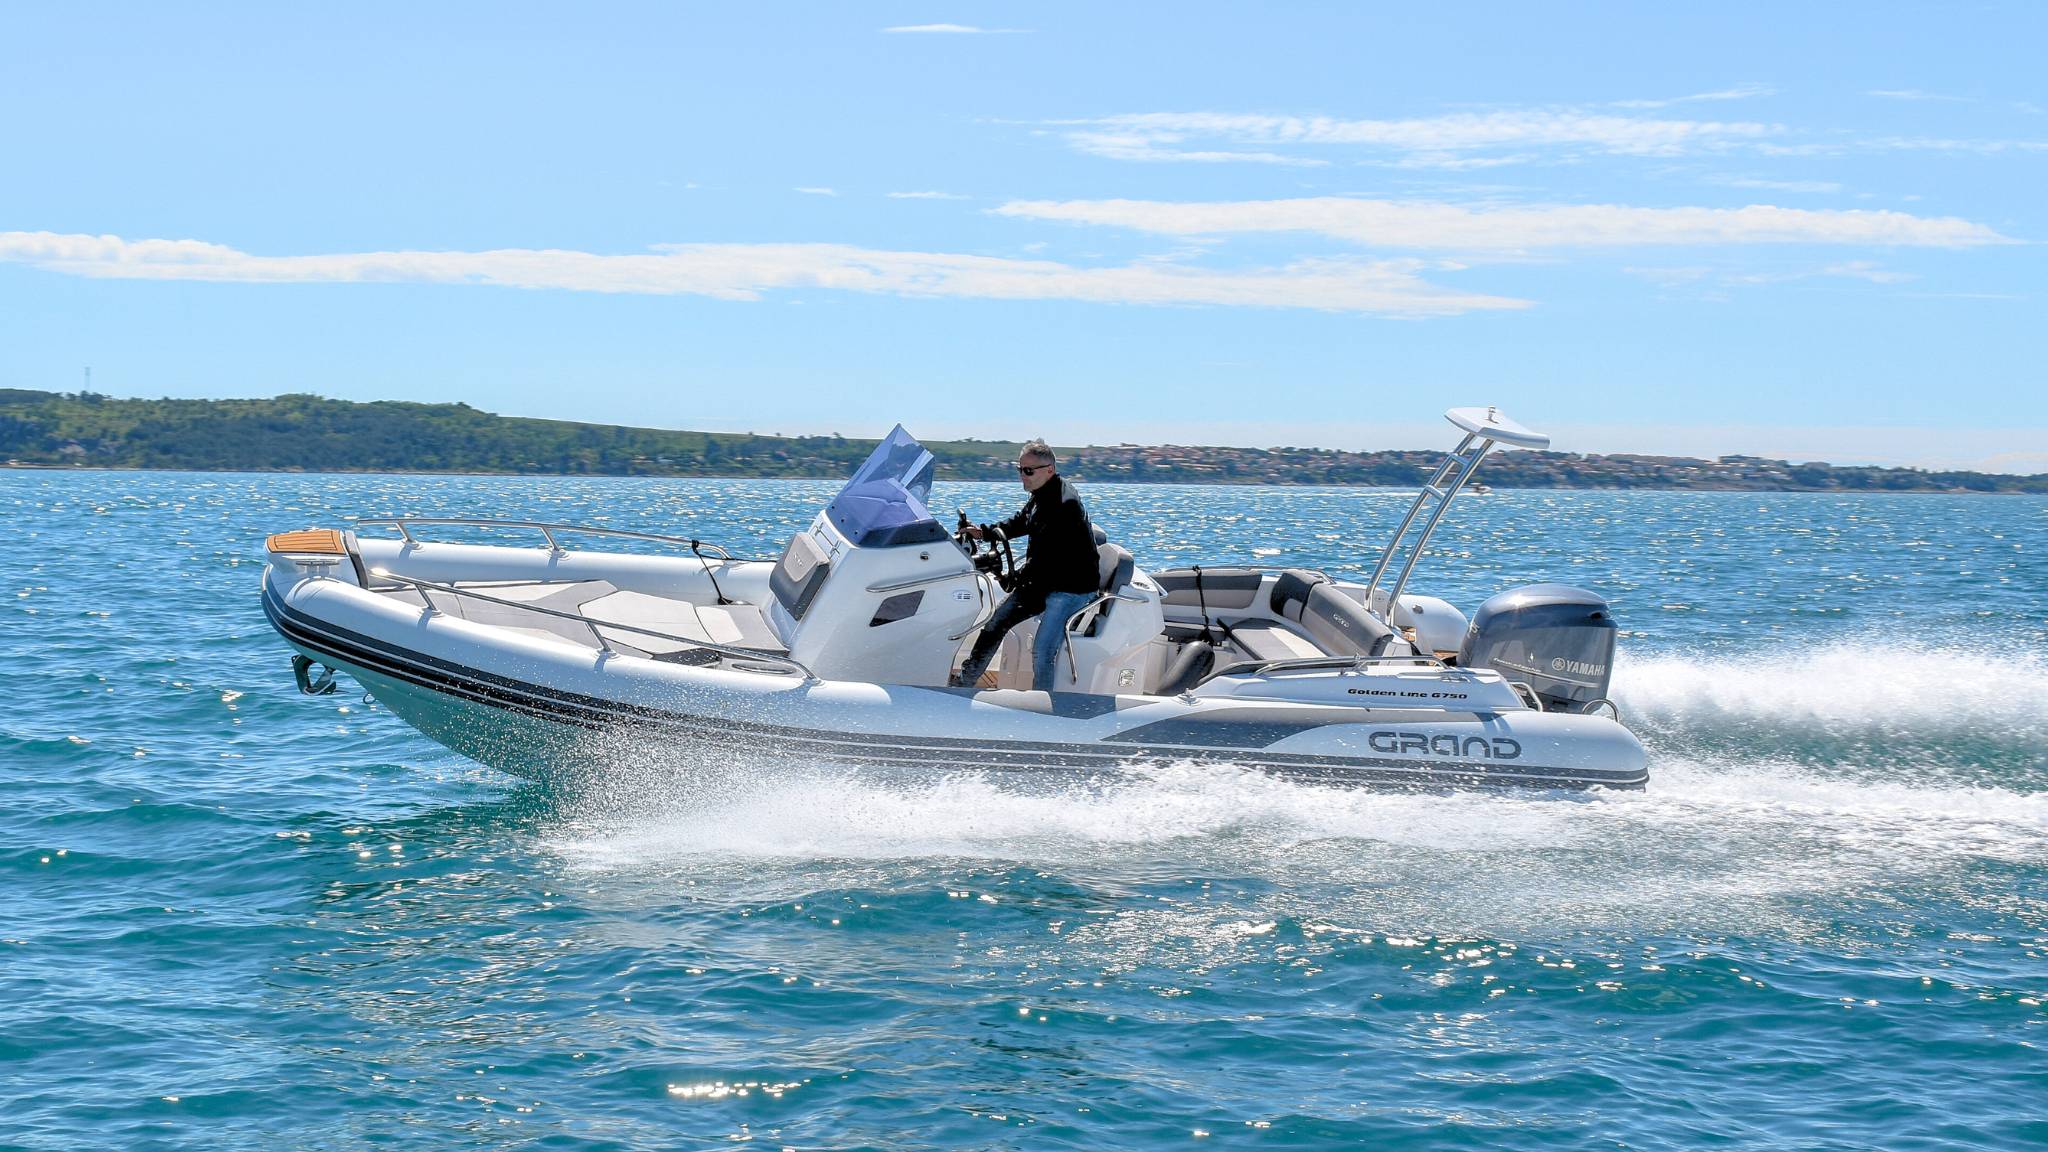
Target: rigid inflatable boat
(840, 650)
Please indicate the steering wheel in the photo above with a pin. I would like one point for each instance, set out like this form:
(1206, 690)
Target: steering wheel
(998, 560)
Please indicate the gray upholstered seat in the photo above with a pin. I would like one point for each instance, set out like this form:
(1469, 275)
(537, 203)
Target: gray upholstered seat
(1114, 569)
(1338, 624)
(1265, 640)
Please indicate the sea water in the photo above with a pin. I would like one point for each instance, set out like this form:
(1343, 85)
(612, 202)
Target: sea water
(232, 916)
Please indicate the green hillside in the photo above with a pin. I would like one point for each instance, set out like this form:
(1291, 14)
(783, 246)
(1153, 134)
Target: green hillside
(303, 433)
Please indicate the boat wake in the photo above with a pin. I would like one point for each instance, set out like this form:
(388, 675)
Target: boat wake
(1719, 843)
(1847, 683)
(1782, 786)
(1878, 712)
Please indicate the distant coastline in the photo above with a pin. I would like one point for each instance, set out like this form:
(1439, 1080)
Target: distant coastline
(303, 433)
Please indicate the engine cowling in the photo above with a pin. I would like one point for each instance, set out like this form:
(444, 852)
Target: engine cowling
(1555, 638)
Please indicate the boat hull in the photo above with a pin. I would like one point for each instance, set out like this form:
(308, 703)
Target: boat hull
(544, 708)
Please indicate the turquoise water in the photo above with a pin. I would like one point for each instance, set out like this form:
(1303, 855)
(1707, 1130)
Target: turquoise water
(235, 917)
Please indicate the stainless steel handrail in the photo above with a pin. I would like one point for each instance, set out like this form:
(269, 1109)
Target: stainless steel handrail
(604, 644)
(983, 613)
(405, 525)
(1307, 663)
(1067, 632)
(1103, 598)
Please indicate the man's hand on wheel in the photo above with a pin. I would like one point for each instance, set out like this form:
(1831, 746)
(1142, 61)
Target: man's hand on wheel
(973, 531)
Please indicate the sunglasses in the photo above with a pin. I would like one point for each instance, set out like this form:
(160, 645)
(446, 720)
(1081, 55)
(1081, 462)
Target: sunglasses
(1028, 469)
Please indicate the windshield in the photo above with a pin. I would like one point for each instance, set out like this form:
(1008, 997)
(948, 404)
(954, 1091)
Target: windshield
(884, 502)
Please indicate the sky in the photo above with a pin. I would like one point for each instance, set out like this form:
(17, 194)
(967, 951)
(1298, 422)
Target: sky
(1803, 231)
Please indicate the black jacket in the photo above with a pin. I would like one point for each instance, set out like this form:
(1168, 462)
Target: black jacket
(1062, 556)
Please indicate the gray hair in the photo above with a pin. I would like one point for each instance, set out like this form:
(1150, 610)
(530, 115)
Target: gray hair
(1037, 449)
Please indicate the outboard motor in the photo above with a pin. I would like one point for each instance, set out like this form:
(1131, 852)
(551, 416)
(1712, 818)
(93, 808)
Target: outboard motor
(1555, 638)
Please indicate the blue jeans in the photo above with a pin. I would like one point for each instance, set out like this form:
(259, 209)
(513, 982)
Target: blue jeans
(1053, 608)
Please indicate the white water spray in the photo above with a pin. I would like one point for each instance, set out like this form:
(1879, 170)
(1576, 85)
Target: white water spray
(1844, 686)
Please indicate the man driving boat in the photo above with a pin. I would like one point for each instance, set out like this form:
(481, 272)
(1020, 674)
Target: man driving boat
(1059, 574)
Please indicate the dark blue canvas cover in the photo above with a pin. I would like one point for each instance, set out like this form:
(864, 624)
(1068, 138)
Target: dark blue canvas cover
(884, 502)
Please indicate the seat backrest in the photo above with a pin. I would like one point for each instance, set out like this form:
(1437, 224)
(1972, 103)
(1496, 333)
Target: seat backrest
(1291, 590)
(1114, 566)
(1113, 569)
(1342, 627)
(1338, 624)
(1231, 588)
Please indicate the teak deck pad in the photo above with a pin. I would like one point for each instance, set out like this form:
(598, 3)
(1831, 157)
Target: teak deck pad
(322, 540)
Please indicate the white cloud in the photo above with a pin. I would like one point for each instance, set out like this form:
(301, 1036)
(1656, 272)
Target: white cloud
(1866, 270)
(1691, 275)
(1915, 94)
(1157, 147)
(926, 196)
(1849, 270)
(953, 29)
(1421, 224)
(1253, 137)
(1835, 148)
(1671, 277)
(1847, 147)
(1813, 186)
(1453, 162)
(1499, 136)
(817, 191)
(1739, 92)
(746, 271)
(1944, 144)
